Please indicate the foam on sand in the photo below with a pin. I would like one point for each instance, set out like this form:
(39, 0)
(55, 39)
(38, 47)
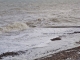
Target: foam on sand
(16, 26)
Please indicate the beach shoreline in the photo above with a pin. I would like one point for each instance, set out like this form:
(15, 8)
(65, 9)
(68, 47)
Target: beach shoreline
(70, 54)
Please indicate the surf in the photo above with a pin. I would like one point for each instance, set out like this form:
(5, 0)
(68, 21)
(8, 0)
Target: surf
(16, 26)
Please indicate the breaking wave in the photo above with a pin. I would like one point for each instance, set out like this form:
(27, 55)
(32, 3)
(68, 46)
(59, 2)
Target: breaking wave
(16, 26)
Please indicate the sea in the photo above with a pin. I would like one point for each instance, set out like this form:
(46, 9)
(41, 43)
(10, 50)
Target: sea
(40, 13)
(25, 27)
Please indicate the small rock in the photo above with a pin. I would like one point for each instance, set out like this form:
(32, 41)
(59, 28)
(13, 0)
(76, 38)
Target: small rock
(57, 38)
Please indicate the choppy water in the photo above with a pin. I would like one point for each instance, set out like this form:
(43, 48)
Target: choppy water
(40, 13)
(18, 15)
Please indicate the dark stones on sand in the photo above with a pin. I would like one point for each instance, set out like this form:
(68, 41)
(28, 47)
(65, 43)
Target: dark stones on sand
(57, 38)
(77, 32)
(73, 54)
(12, 54)
(8, 54)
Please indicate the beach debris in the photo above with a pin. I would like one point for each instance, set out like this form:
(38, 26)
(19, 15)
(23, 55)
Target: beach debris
(57, 38)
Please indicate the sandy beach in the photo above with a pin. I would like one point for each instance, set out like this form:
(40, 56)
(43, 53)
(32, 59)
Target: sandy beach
(70, 54)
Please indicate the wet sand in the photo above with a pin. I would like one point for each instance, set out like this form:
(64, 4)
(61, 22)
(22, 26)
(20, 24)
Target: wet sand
(70, 54)
(62, 27)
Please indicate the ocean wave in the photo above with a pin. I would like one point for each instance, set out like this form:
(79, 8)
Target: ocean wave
(16, 26)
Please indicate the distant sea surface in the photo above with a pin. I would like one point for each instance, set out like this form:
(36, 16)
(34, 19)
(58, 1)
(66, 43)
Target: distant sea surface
(39, 13)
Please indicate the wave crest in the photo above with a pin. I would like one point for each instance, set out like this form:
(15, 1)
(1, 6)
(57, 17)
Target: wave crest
(16, 26)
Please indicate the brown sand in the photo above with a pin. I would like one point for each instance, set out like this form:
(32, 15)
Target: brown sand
(63, 55)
